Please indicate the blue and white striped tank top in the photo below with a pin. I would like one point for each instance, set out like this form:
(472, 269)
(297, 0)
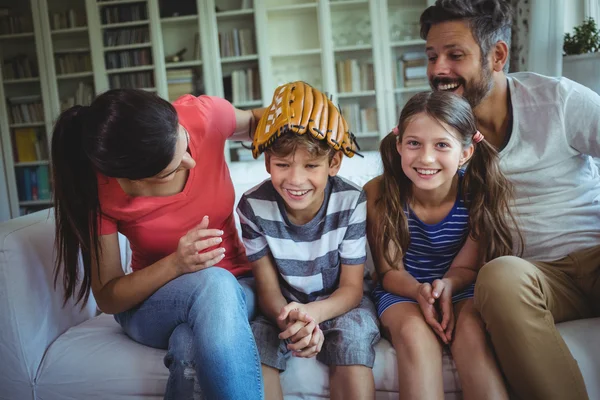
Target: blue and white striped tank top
(433, 247)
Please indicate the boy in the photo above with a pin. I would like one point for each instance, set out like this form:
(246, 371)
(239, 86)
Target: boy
(304, 232)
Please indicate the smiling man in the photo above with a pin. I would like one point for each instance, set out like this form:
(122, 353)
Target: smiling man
(546, 129)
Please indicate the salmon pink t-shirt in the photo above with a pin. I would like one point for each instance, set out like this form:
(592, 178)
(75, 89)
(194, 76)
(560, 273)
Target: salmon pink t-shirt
(154, 225)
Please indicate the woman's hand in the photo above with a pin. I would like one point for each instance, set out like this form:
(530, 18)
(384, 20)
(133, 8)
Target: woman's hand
(190, 255)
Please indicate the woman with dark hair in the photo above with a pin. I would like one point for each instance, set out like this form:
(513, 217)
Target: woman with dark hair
(133, 163)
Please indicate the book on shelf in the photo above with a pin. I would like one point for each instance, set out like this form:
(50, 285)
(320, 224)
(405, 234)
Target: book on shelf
(83, 96)
(20, 67)
(126, 36)
(237, 42)
(26, 109)
(29, 145)
(180, 82)
(140, 80)
(73, 63)
(242, 86)
(68, 19)
(355, 76)
(124, 13)
(12, 22)
(411, 70)
(128, 58)
(33, 183)
(361, 120)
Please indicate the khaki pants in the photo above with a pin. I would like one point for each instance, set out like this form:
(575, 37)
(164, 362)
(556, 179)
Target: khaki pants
(520, 301)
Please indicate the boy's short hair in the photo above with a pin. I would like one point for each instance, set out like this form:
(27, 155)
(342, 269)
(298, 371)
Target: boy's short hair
(289, 142)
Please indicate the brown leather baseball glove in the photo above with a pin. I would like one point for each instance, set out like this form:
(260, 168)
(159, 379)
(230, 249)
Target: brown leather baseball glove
(300, 108)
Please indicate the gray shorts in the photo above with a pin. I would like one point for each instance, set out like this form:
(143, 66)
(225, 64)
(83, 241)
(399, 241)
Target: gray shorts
(349, 339)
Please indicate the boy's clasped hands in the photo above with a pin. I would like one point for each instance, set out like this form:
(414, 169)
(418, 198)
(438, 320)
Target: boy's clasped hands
(427, 295)
(300, 330)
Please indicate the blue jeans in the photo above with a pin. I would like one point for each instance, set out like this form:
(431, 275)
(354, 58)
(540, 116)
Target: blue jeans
(202, 319)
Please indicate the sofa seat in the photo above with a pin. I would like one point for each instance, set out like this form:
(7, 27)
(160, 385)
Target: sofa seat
(97, 360)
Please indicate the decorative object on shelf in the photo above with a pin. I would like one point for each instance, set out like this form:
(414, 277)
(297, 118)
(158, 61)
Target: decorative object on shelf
(581, 61)
(177, 57)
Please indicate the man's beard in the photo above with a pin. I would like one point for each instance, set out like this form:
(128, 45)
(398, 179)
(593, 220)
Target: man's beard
(475, 91)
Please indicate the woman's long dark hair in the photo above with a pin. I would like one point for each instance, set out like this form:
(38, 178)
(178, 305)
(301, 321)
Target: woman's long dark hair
(124, 133)
(486, 191)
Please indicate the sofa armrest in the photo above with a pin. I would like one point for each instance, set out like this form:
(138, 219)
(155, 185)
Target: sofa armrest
(32, 315)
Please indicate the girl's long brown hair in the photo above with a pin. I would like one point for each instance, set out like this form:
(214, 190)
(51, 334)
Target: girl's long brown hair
(486, 191)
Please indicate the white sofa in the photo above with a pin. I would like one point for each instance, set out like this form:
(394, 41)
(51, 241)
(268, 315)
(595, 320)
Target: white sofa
(49, 352)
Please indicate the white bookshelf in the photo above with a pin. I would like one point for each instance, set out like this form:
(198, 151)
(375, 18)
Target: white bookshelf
(291, 40)
(25, 106)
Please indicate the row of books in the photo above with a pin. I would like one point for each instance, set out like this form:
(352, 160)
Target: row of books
(411, 70)
(132, 80)
(33, 183)
(120, 37)
(124, 13)
(180, 82)
(128, 58)
(355, 75)
(361, 120)
(84, 94)
(12, 22)
(242, 86)
(73, 63)
(20, 67)
(23, 112)
(68, 19)
(237, 42)
(29, 144)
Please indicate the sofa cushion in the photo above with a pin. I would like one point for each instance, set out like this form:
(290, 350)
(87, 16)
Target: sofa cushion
(97, 360)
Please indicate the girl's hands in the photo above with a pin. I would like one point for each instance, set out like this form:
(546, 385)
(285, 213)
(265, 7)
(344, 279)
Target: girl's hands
(190, 257)
(301, 329)
(427, 296)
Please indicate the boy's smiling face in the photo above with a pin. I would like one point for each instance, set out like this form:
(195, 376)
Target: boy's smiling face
(300, 179)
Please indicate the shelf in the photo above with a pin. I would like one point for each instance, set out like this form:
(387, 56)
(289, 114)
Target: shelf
(149, 89)
(181, 18)
(412, 89)
(118, 2)
(130, 69)
(183, 64)
(125, 24)
(22, 80)
(234, 13)
(32, 163)
(67, 31)
(293, 8)
(75, 75)
(250, 103)
(72, 50)
(345, 3)
(366, 135)
(409, 42)
(239, 59)
(298, 53)
(35, 202)
(128, 46)
(346, 95)
(356, 47)
(27, 125)
(11, 36)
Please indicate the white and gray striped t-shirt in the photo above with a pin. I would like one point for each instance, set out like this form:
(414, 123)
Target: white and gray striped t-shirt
(307, 256)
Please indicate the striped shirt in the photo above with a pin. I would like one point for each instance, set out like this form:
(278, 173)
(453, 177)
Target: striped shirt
(432, 248)
(308, 257)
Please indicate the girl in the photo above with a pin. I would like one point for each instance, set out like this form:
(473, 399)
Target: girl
(133, 163)
(431, 226)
